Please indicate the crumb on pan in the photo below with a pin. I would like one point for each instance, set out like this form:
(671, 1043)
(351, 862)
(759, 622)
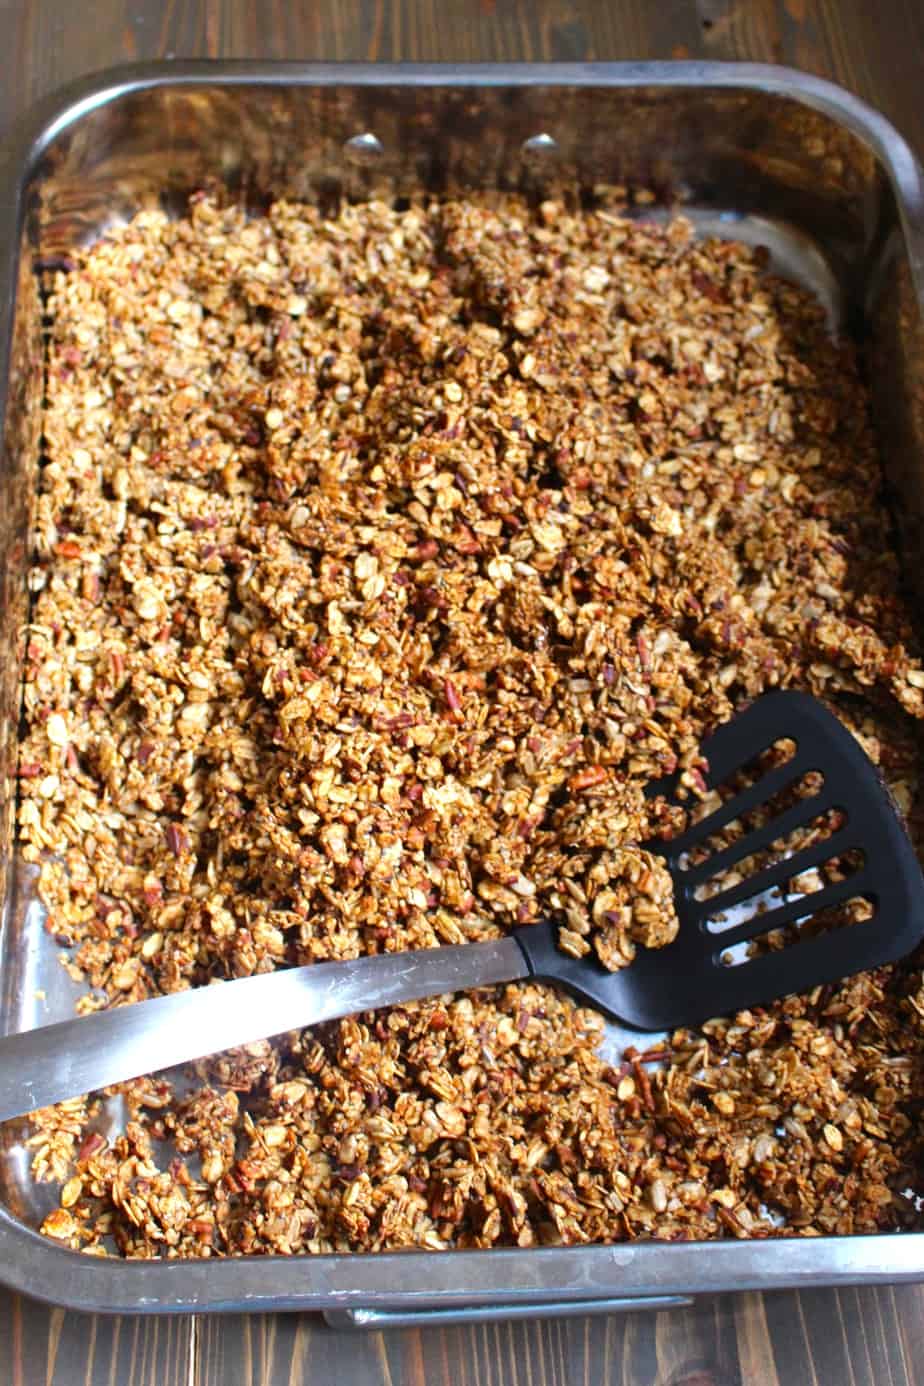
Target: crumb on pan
(382, 560)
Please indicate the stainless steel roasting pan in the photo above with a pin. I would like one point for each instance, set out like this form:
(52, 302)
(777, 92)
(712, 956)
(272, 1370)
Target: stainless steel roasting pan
(755, 153)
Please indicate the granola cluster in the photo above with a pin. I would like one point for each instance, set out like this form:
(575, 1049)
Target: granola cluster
(382, 561)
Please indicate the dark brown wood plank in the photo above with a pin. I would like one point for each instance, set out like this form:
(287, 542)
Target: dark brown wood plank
(49, 1346)
(848, 1337)
(52, 42)
(854, 1336)
(873, 50)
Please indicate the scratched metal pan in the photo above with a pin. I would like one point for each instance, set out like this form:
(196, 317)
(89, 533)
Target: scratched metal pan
(754, 153)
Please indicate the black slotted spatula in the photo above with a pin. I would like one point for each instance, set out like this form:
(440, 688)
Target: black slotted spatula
(686, 982)
(690, 980)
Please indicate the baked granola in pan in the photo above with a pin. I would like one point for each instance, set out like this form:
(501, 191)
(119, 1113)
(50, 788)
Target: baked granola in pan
(381, 561)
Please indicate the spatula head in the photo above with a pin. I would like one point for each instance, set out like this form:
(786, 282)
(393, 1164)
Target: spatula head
(706, 971)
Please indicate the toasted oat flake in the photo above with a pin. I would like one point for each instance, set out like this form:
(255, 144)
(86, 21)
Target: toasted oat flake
(381, 561)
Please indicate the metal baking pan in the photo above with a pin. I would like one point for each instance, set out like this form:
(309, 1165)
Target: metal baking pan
(752, 152)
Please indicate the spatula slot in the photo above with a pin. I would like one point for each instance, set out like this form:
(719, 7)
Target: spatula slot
(801, 876)
(855, 910)
(803, 835)
(747, 818)
(778, 753)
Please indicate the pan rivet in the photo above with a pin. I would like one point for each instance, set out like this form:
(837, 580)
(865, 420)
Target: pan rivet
(541, 146)
(363, 149)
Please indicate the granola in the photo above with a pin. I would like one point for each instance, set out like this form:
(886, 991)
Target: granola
(382, 560)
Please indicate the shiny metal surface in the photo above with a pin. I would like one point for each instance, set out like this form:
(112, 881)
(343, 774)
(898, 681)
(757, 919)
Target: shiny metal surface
(73, 1057)
(379, 1319)
(752, 152)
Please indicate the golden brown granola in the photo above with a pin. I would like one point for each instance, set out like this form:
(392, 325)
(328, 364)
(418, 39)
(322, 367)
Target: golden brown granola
(382, 560)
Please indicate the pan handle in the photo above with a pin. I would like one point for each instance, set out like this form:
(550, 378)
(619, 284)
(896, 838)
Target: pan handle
(499, 1313)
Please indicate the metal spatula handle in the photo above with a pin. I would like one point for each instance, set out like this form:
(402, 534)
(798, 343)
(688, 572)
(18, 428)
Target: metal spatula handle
(48, 1065)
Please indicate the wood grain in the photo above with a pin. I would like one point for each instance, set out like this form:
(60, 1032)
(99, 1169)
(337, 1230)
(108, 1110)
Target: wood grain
(862, 1337)
(833, 1338)
(54, 1348)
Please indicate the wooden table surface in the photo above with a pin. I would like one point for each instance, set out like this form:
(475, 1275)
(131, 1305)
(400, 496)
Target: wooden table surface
(782, 1339)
